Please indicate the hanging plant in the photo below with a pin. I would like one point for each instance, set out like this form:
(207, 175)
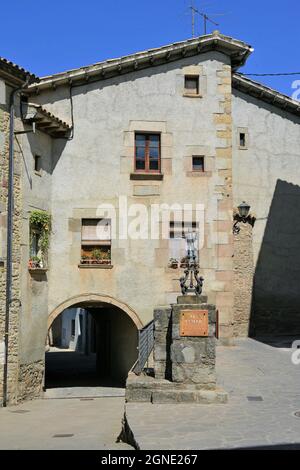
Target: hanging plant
(40, 221)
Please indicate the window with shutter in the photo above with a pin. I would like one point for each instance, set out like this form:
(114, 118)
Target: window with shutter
(96, 241)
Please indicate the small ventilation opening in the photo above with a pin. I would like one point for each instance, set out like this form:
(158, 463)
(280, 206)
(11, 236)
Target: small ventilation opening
(242, 139)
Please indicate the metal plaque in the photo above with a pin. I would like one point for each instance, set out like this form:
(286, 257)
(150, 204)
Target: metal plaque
(193, 323)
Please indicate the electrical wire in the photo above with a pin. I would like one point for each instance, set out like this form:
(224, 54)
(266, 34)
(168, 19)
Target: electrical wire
(269, 74)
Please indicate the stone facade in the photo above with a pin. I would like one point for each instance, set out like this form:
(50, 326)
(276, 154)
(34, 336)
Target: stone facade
(95, 165)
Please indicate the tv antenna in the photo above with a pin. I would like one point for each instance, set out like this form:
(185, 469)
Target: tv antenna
(206, 18)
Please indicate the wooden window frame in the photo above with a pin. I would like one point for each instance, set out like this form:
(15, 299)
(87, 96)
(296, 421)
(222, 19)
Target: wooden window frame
(147, 157)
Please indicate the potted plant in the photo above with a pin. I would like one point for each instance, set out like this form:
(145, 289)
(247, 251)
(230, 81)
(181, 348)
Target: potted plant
(34, 262)
(105, 259)
(173, 263)
(40, 229)
(85, 259)
(96, 256)
(99, 256)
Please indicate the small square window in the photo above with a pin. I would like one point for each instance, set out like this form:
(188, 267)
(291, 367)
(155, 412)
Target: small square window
(37, 163)
(191, 84)
(198, 163)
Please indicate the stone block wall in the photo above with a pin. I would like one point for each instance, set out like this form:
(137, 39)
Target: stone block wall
(162, 342)
(14, 318)
(31, 380)
(193, 358)
(243, 279)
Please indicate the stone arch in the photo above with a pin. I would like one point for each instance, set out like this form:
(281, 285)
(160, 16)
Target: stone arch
(94, 298)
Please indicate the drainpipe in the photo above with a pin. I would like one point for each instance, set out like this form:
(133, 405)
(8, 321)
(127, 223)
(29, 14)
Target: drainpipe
(10, 211)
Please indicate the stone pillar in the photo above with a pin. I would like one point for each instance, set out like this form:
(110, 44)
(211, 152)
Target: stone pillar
(162, 343)
(243, 278)
(193, 358)
(184, 366)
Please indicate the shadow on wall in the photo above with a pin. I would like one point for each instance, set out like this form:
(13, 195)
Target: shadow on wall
(276, 289)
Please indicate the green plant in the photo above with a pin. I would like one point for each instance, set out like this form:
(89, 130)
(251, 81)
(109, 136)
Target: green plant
(41, 222)
(97, 254)
(106, 255)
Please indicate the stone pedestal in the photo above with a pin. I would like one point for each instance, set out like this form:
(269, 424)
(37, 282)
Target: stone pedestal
(193, 357)
(184, 361)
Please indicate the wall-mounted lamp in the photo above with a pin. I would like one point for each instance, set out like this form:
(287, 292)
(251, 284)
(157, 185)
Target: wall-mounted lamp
(242, 216)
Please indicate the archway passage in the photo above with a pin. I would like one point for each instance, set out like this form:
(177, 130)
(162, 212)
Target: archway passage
(90, 345)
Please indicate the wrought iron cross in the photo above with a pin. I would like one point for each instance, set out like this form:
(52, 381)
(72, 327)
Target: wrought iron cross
(191, 281)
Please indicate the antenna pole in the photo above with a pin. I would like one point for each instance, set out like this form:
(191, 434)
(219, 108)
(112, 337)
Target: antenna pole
(193, 18)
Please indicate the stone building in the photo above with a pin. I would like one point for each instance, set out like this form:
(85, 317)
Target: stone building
(173, 125)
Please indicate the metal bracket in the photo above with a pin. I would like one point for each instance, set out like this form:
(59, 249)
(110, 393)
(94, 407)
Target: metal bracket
(26, 132)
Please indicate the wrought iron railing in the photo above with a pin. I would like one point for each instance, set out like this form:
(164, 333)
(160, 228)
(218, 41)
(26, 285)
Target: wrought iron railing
(145, 346)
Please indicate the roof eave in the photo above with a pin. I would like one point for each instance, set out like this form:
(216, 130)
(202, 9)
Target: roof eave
(236, 50)
(44, 120)
(266, 94)
(14, 75)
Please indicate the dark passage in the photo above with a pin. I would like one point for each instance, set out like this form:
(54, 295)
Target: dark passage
(90, 347)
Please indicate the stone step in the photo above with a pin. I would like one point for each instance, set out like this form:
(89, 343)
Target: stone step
(176, 396)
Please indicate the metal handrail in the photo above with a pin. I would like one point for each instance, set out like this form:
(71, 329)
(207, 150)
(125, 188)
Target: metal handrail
(145, 346)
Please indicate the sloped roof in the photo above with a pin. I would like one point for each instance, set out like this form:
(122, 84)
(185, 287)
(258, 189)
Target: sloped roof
(237, 50)
(264, 93)
(44, 120)
(15, 74)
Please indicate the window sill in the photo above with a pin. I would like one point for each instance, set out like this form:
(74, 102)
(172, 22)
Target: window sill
(146, 176)
(190, 95)
(198, 174)
(95, 266)
(37, 270)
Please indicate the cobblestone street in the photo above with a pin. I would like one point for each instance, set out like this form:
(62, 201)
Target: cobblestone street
(264, 394)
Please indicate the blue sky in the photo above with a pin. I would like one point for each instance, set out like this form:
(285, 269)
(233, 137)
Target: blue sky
(71, 33)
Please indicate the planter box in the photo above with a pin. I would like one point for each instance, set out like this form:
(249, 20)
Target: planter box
(95, 262)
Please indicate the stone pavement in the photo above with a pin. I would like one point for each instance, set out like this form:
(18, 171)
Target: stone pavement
(90, 424)
(264, 394)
